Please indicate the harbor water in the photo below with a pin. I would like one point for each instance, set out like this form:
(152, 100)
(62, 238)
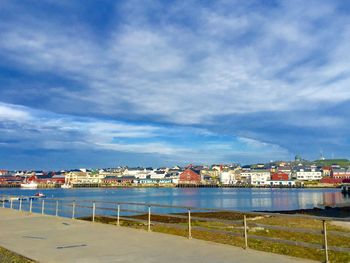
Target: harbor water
(243, 199)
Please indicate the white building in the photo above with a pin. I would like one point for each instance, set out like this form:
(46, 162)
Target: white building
(140, 173)
(304, 174)
(256, 177)
(83, 178)
(227, 178)
(157, 174)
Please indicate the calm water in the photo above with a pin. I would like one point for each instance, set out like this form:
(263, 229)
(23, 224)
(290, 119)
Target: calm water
(222, 198)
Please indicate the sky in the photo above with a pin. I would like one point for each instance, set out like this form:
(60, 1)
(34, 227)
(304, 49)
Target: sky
(160, 83)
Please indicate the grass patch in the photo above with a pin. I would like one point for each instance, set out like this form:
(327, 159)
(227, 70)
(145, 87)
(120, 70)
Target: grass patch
(237, 227)
(11, 257)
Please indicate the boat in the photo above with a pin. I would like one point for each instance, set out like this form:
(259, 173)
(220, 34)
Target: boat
(29, 185)
(40, 195)
(66, 186)
(37, 196)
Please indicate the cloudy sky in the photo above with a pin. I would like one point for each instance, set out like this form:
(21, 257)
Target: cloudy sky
(107, 83)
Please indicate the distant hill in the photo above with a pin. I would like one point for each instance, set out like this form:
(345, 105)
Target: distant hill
(328, 162)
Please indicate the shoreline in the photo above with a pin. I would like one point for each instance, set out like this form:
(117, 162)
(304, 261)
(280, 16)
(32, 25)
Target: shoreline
(327, 211)
(176, 186)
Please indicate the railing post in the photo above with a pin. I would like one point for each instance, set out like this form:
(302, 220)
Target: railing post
(56, 213)
(30, 205)
(245, 232)
(11, 203)
(149, 218)
(118, 215)
(20, 204)
(42, 206)
(3, 202)
(189, 225)
(73, 209)
(93, 211)
(325, 241)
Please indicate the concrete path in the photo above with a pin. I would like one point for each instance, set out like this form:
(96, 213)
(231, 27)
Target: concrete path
(54, 239)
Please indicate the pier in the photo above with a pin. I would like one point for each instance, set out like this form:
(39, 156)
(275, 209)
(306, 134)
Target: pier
(56, 239)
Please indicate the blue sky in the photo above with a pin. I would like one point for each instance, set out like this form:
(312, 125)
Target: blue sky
(107, 83)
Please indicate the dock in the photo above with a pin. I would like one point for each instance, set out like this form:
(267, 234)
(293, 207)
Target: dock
(47, 238)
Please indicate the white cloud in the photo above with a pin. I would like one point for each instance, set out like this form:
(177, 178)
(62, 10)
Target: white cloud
(45, 130)
(9, 113)
(218, 64)
(155, 70)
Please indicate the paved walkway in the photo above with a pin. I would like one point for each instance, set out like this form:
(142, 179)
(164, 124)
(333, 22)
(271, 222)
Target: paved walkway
(54, 239)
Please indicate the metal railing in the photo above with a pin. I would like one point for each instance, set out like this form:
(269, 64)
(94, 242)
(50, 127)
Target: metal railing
(185, 218)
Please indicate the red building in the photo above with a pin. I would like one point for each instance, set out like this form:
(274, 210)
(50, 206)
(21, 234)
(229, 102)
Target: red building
(190, 176)
(279, 176)
(328, 180)
(341, 173)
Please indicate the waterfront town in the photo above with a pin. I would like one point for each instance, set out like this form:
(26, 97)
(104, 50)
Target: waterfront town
(297, 173)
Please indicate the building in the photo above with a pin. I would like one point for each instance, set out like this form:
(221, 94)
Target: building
(227, 178)
(214, 173)
(329, 180)
(137, 172)
(307, 174)
(157, 174)
(341, 173)
(127, 180)
(3, 172)
(190, 176)
(285, 169)
(111, 180)
(260, 178)
(279, 176)
(79, 177)
(327, 170)
(256, 177)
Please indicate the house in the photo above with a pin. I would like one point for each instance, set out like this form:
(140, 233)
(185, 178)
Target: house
(306, 173)
(210, 172)
(256, 176)
(160, 174)
(329, 180)
(138, 172)
(75, 177)
(228, 178)
(260, 177)
(285, 169)
(340, 173)
(279, 176)
(190, 176)
(173, 173)
(3, 172)
(127, 179)
(10, 180)
(111, 180)
(19, 173)
(326, 170)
